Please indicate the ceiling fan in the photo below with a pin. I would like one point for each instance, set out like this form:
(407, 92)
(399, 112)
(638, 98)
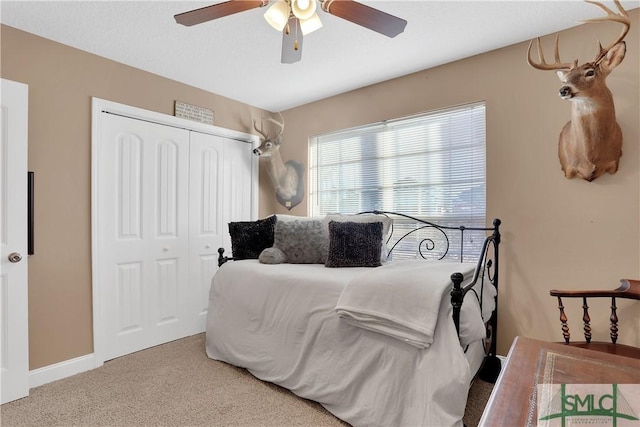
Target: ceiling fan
(296, 18)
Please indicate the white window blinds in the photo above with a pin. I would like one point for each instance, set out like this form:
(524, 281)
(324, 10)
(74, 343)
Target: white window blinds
(430, 166)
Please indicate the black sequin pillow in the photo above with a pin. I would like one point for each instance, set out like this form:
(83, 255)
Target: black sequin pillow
(249, 238)
(354, 244)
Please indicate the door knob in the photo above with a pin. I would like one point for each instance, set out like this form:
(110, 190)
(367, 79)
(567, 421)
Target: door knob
(15, 257)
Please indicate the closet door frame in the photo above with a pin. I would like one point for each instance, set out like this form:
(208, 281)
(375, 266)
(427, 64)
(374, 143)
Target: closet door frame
(100, 106)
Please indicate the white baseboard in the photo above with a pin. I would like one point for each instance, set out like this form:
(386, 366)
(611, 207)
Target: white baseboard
(61, 370)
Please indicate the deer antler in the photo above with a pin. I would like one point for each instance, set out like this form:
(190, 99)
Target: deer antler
(280, 124)
(622, 18)
(264, 135)
(542, 65)
(260, 131)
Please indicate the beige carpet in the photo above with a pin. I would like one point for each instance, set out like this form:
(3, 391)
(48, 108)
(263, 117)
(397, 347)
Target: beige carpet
(176, 384)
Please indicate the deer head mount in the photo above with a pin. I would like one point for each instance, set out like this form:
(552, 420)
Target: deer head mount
(591, 142)
(286, 177)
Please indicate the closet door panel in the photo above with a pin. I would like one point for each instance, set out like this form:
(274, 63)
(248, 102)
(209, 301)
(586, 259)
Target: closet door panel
(129, 297)
(128, 164)
(167, 164)
(143, 233)
(206, 227)
(167, 224)
(238, 176)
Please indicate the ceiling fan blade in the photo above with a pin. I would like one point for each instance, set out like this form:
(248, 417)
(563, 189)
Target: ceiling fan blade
(215, 11)
(292, 42)
(366, 16)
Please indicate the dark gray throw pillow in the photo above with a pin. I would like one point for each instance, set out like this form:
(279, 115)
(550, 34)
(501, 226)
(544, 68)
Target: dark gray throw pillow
(354, 244)
(249, 238)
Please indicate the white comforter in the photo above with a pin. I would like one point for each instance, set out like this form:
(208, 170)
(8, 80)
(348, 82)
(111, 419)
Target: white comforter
(401, 299)
(279, 322)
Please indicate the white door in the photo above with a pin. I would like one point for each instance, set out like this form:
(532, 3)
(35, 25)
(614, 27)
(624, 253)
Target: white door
(14, 332)
(221, 181)
(238, 184)
(164, 190)
(205, 219)
(143, 231)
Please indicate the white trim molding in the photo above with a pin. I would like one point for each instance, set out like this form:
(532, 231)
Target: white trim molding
(58, 371)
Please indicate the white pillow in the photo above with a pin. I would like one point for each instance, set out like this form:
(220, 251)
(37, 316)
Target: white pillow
(472, 326)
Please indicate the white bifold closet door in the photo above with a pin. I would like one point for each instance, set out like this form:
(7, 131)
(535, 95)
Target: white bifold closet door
(163, 198)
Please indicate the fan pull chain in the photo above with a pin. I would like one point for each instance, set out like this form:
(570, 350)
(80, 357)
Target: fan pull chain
(295, 43)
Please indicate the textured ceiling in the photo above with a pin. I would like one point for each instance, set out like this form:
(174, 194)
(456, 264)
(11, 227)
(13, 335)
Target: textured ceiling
(238, 56)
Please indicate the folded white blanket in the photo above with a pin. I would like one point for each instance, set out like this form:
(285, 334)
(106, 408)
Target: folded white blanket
(400, 299)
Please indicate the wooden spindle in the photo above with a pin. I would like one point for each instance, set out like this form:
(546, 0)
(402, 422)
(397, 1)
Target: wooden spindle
(563, 320)
(613, 329)
(586, 320)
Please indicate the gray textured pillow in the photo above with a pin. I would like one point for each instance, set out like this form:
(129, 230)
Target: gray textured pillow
(285, 217)
(272, 256)
(354, 244)
(302, 241)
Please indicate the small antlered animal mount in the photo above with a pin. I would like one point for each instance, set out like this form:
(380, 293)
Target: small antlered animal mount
(591, 143)
(286, 177)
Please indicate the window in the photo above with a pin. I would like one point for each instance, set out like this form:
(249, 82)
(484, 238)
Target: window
(431, 166)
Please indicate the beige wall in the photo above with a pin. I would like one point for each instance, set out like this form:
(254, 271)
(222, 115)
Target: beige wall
(61, 82)
(557, 233)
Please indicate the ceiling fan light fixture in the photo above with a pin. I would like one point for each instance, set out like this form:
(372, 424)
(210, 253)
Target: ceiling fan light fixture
(295, 18)
(278, 15)
(303, 9)
(311, 24)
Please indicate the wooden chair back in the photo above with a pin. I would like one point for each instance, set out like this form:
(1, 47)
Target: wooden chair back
(628, 289)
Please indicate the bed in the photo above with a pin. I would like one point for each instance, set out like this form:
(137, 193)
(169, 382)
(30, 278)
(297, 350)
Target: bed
(393, 343)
